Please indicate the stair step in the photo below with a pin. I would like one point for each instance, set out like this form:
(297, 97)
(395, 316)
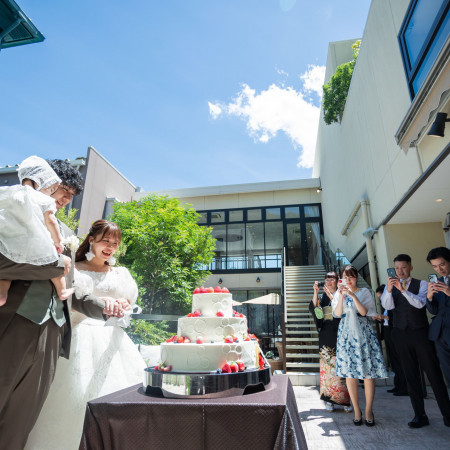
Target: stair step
(301, 364)
(302, 347)
(296, 339)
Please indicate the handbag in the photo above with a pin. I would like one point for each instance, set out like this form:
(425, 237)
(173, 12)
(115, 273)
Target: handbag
(318, 312)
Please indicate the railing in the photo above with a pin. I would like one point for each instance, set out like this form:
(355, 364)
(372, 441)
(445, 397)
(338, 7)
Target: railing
(332, 260)
(284, 312)
(255, 262)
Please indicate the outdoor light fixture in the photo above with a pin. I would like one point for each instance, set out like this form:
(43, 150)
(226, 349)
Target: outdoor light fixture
(220, 281)
(258, 280)
(438, 127)
(319, 189)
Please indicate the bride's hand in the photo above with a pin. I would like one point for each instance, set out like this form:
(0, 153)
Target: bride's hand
(124, 303)
(112, 307)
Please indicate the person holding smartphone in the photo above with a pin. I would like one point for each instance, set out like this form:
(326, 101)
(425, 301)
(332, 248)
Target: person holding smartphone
(358, 352)
(333, 390)
(407, 297)
(438, 304)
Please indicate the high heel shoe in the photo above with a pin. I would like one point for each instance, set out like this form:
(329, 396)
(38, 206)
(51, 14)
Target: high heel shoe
(358, 422)
(371, 423)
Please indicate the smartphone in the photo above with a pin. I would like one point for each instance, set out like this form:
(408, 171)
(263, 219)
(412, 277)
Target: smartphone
(321, 283)
(343, 282)
(432, 278)
(391, 272)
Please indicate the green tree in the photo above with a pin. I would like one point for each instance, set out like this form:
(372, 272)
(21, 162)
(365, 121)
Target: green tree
(147, 333)
(166, 250)
(336, 90)
(67, 217)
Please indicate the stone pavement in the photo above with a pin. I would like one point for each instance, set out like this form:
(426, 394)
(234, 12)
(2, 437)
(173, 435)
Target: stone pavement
(335, 430)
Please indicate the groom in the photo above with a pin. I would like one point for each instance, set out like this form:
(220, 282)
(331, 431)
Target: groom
(35, 328)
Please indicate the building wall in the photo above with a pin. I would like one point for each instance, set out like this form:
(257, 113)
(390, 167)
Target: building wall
(102, 181)
(360, 158)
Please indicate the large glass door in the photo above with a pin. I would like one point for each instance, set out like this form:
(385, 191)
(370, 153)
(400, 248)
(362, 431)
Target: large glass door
(294, 253)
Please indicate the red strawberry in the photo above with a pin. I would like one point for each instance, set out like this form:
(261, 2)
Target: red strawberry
(229, 339)
(210, 290)
(203, 290)
(156, 367)
(219, 314)
(241, 366)
(199, 340)
(187, 340)
(225, 290)
(167, 369)
(235, 338)
(196, 291)
(217, 289)
(180, 339)
(226, 368)
(234, 367)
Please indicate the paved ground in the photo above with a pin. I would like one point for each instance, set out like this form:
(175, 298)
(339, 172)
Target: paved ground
(335, 430)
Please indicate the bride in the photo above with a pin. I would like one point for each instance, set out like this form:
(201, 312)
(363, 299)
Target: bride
(103, 358)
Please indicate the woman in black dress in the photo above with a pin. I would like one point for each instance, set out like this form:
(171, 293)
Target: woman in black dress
(333, 390)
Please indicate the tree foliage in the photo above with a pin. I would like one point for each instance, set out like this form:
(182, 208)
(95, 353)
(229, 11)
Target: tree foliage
(147, 333)
(67, 217)
(166, 249)
(336, 90)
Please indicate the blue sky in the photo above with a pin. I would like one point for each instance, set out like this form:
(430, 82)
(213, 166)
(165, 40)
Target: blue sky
(174, 93)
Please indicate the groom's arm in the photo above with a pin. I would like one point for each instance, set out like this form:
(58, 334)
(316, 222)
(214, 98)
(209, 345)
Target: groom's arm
(9, 270)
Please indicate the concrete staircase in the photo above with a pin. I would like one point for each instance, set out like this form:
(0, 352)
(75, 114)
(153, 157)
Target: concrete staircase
(302, 340)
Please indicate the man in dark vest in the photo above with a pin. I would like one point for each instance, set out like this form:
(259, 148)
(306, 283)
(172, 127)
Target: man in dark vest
(407, 296)
(438, 303)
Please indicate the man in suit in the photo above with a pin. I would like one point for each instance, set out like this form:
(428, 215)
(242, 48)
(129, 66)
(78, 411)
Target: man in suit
(438, 303)
(35, 328)
(407, 297)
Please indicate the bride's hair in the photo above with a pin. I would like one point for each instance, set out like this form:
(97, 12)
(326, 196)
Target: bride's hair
(99, 229)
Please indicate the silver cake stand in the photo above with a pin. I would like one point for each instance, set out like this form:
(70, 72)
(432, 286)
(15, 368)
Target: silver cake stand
(205, 385)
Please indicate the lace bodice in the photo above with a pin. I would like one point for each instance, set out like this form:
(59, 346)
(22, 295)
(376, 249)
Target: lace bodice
(117, 283)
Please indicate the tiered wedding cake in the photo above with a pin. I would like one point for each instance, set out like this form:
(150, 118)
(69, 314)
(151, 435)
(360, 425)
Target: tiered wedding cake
(213, 337)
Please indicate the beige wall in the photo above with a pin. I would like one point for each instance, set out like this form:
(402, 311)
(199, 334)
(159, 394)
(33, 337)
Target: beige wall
(246, 281)
(102, 181)
(416, 240)
(360, 158)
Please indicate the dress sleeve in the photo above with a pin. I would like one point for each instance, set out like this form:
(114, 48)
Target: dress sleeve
(44, 202)
(130, 289)
(335, 300)
(83, 284)
(367, 300)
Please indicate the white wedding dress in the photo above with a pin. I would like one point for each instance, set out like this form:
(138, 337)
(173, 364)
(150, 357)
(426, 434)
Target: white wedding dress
(103, 359)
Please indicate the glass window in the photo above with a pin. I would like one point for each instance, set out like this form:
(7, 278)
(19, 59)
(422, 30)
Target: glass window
(273, 214)
(313, 243)
(312, 211)
(273, 233)
(219, 233)
(292, 212)
(203, 218)
(236, 216)
(217, 216)
(254, 214)
(236, 258)
(255, 245)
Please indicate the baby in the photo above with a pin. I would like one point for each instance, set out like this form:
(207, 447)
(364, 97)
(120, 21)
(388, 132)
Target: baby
(29, 231)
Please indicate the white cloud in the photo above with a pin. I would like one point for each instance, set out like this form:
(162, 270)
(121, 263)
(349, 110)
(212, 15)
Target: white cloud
(214, 110)
(279, 109)
(313, 79)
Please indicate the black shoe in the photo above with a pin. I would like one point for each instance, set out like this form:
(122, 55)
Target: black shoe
(419, 422)
(447, 421)
(393, 390)
(357, 422)
(401, 394)
(370, 423)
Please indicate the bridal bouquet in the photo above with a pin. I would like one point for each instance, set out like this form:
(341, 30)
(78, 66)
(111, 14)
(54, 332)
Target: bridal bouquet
(72, 243)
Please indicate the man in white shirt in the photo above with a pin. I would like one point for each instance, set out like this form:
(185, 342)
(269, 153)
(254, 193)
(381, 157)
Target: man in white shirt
(407, 297)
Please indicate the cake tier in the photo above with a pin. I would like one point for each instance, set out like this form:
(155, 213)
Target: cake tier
(207, 357)
(212, 328)
(210, 304)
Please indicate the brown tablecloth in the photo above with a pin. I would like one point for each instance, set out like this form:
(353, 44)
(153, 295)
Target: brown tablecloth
(129, 419)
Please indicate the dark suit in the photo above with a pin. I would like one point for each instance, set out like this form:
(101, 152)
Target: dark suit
(440, 328)
(28, 350)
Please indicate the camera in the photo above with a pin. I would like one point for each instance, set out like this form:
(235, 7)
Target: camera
(321, 283)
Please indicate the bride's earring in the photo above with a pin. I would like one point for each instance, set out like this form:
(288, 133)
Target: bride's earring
(112, 261)
(89, 255)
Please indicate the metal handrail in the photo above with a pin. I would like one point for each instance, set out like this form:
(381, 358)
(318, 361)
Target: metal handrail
(283, 322)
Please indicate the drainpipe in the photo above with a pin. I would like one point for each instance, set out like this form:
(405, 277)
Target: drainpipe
(368, 235)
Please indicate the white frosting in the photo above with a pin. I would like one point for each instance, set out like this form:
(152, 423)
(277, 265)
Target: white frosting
(207, 357)
(210, 304)
(212, 328)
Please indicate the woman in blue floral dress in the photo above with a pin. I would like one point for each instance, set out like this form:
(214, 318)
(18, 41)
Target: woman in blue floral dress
(358, 353)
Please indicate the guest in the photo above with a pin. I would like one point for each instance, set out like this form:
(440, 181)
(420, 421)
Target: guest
(406, 296)
(438, 303)
(104, 359)
(400, 389)
(358, 354)
(35, 328)
(333, 390)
